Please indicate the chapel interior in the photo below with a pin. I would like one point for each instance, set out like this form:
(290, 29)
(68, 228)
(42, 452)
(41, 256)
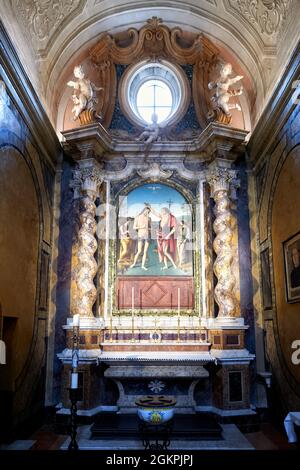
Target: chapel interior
(150, 229)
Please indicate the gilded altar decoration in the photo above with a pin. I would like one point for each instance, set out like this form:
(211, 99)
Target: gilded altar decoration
(154, 234)
(223, 93)
(84, 97)
(220, 179)
(86, 268)
(155, 249)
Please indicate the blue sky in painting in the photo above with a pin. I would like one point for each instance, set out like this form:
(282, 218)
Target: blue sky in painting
(158, 195)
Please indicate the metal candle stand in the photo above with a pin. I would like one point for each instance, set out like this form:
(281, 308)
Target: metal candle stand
(73, 394)
(73, 390)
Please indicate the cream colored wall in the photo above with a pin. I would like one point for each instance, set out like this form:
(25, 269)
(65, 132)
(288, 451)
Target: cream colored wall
(19, 250)
(286, 223)
(274, 158)
(29, 151)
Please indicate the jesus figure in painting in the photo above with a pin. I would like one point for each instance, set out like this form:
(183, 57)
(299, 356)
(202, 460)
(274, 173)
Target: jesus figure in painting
(166, 241)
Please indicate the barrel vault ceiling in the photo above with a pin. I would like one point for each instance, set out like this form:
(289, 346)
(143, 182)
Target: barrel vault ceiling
(48, 34)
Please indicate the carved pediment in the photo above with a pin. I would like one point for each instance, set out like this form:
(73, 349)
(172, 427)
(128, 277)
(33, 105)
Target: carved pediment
(154, 41)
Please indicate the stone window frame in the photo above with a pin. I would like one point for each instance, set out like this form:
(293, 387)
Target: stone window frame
(171, 74)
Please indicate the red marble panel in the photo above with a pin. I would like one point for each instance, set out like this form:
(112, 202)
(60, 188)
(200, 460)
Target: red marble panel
(154, 292)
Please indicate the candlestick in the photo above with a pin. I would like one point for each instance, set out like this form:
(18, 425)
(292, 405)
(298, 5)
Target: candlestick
(178, 315)
(111, 314)
(132, 314)
(200, 330)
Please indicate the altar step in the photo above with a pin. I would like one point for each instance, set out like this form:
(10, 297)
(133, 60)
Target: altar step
(199, 426)
(174, 347)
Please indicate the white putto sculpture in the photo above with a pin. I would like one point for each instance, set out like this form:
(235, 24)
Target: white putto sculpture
(85, 99)
(151, 132)
(223, 94)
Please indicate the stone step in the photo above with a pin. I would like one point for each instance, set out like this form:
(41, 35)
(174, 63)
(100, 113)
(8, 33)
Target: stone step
(184, 427)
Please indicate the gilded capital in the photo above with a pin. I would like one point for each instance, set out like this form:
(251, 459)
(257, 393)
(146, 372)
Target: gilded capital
(91, 179)
(219, 178)
(86, 178)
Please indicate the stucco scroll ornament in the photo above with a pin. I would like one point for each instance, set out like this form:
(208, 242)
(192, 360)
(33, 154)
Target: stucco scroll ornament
(84, 97)
(223, 93)
(155, 172)
(268, 15)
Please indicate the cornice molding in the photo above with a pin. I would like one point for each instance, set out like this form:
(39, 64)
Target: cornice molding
(26, 100)
(280, 106)
(217, 141)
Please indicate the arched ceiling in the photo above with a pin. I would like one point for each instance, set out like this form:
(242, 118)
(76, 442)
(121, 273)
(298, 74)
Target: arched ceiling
(259, 35)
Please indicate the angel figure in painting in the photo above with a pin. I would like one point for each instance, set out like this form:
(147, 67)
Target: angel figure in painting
(223, 92)
(85, 99)
(151, 132)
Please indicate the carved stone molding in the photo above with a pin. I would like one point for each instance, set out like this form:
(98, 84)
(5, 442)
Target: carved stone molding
(219, 179)
(156, 42)
(266, 15)
(155, 172)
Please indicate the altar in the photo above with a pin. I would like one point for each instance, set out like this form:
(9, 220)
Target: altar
(156, 256)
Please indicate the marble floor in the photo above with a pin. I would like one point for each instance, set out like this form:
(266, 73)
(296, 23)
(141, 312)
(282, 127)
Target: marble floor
(267, 438)
(233, 439)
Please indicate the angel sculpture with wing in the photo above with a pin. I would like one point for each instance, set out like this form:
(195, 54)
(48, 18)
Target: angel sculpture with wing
(85, 99)
(223, 93)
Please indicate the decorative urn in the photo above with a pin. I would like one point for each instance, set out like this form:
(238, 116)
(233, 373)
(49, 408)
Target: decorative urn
(155, 409)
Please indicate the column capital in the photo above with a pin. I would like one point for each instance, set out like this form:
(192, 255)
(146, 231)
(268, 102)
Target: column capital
(220, 176)
(87, 177)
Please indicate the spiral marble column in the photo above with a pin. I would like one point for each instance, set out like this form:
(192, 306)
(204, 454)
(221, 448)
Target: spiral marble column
(88, 176)
(220, 178)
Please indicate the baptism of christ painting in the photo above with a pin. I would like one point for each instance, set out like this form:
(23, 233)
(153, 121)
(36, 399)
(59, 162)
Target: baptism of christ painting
(155, 233)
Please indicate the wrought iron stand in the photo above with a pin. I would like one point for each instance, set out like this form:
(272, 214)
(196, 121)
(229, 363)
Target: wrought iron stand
(156, 436)
(73, 393)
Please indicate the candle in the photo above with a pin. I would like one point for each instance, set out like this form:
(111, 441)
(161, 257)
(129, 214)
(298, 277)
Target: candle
(74, 380)
(132, 314)
(76, 319)
(111, 313)
(132, 299)
(178, 315)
